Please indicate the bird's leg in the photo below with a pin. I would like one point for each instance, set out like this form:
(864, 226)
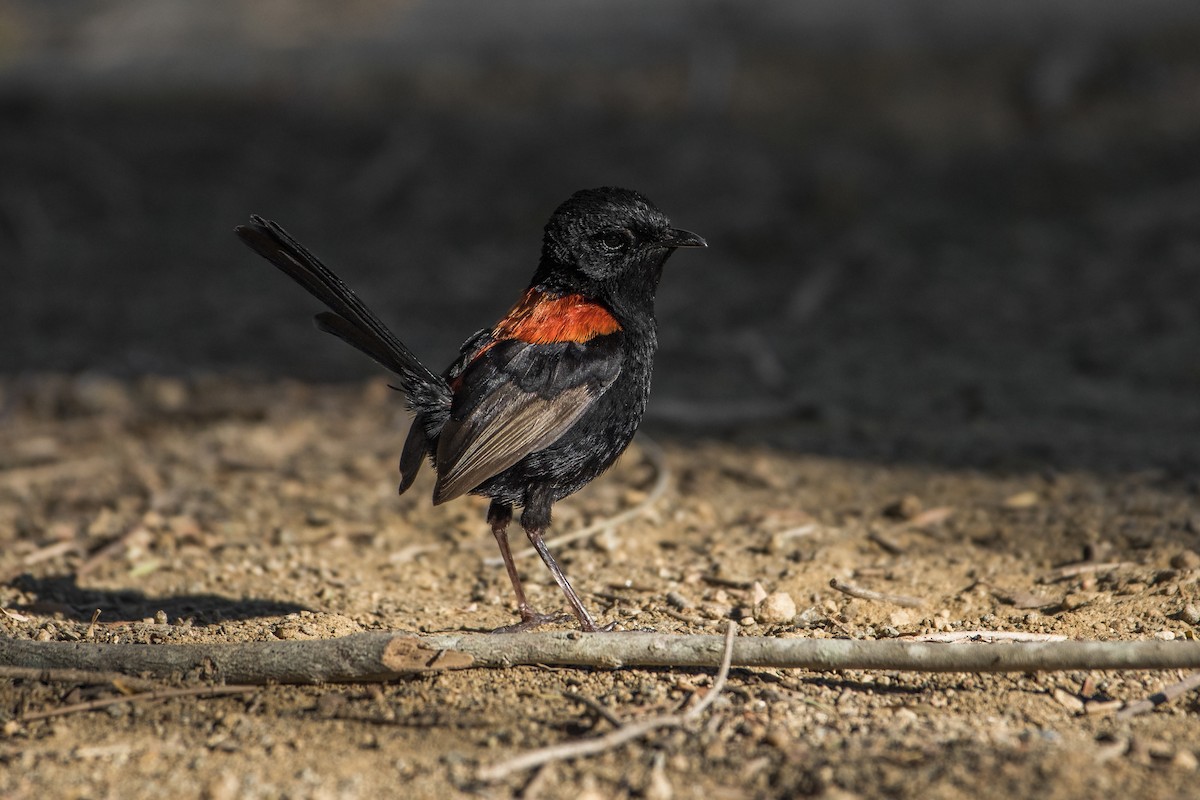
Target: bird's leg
(535, 519)
(499, 515)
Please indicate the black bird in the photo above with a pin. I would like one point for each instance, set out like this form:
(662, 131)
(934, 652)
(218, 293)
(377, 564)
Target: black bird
(540, 404)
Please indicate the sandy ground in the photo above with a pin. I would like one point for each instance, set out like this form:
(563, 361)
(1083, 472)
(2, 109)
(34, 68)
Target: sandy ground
(252, 511)
(943, 345)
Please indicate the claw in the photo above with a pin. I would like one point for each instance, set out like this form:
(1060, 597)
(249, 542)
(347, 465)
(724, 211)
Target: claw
(532, 620)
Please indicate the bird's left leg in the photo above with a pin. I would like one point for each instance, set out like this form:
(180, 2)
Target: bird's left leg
(535, 519)
(499, 515)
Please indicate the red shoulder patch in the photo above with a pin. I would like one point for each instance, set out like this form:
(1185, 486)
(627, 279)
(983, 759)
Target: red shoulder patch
(541, 318)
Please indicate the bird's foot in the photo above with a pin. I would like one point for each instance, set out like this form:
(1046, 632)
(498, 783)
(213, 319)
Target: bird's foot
(612, 628)
(594, 628)
(531, 621)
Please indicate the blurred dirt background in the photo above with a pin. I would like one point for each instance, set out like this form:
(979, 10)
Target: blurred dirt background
(944, 342)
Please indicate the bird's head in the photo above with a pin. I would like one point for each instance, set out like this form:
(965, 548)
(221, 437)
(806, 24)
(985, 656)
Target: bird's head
(610, 245)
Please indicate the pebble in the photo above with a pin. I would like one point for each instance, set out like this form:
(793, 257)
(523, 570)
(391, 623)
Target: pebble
(167, 394)
(225, 787)
(904, 508)
(777, 607)
(1188, 559)
(1068, 701)
(100, 394)
(757, 593)
(659, 786)
(779, 738)
(1027, 499)
(1189, 614)
(1074, 600)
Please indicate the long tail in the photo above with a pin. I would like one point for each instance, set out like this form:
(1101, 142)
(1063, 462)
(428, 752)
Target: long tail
(348, 318)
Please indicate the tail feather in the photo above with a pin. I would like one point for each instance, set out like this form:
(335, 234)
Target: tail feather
(349, 318)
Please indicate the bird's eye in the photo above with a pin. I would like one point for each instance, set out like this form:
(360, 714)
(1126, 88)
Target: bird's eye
(616, 240)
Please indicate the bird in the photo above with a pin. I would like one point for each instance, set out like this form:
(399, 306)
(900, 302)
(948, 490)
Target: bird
(540, 404)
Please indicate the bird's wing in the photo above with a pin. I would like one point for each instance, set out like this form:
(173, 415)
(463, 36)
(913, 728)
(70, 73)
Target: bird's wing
(516, 398)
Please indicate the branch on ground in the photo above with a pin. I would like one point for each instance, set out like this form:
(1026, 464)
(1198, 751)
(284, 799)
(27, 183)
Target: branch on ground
(381, 655)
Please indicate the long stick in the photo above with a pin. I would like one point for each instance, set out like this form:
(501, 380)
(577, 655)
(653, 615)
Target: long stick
(380, 656)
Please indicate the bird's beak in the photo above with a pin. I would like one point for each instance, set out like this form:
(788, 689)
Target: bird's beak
(682, 238)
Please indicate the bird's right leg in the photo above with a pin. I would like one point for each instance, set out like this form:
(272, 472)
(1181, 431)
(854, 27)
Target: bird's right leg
(499, 516)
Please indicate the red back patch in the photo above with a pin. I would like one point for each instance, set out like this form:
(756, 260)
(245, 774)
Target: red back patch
(542, 318)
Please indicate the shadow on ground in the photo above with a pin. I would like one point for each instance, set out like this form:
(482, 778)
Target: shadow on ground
(61, 594)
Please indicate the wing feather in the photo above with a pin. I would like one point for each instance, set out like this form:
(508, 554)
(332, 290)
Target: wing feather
(517, 399)
(474, 453)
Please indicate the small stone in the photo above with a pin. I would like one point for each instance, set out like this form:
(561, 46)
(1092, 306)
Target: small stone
(100, 394)
(777, 607)
(160, 617)
(903, 508)
(168, 394)
(811, 617)
(225, 787)
(331, 704)
(779, 738)
(288, 630)
(1185, 759)
(1026, 499)
(1189, 614)
(1188, 559)
(659, 787)
(182, 525)
(1068, 701)
(1166, 636)
(1074, 600)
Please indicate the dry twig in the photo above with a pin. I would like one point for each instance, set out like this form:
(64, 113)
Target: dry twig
(595, 707)
(76, 676)
(109, 550)
(622, 735)
(155, 694)
(1073, 570)
(50, 551)
(1159, 698)
(882, 597)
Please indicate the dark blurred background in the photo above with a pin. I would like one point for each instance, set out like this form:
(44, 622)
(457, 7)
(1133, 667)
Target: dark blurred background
(965, 234)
